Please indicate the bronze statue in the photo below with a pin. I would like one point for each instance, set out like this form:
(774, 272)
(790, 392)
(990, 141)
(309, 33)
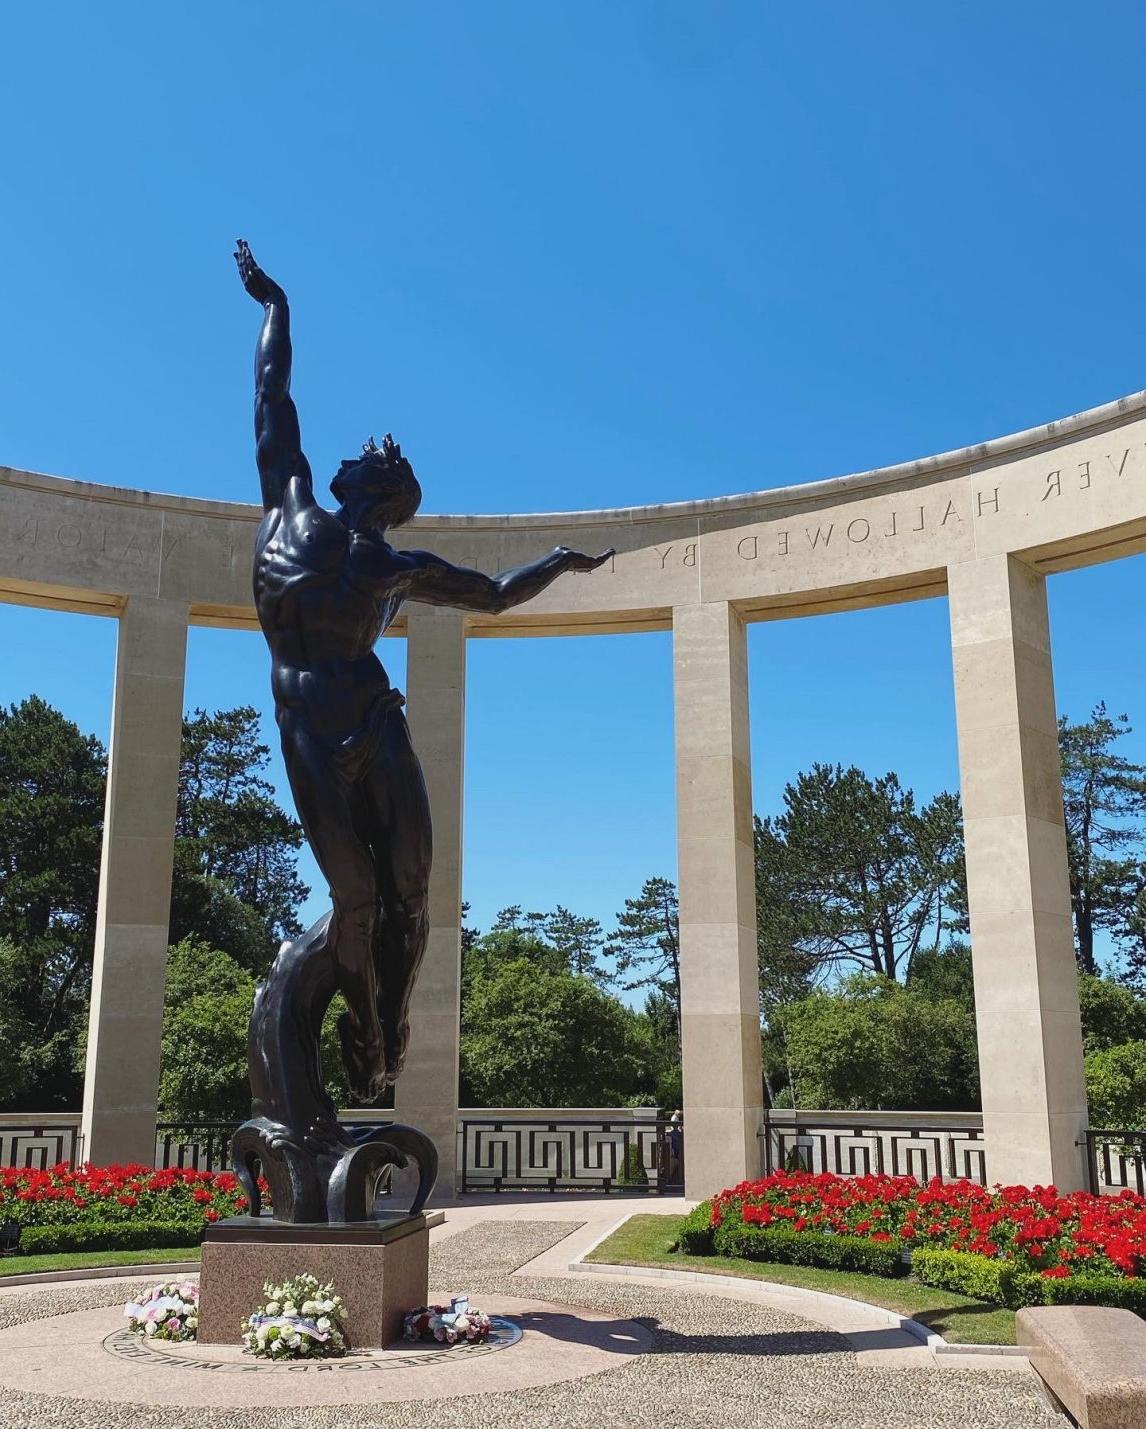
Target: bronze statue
(326, 587)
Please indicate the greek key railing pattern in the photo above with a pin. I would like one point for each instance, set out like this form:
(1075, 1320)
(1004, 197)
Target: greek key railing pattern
(1116, 1161)
(535, 1154)
(859, 1149)
(197, 1145)
(38, 1147)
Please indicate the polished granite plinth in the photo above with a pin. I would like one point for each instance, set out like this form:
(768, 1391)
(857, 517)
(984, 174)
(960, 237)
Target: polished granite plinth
(380, 1268)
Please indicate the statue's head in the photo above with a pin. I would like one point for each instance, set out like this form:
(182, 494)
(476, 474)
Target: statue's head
(379, 486)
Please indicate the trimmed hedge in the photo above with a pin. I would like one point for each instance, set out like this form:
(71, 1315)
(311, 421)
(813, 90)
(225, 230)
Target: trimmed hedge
(998, 1281)
(694, 1234)
(1086, 1289)
(830, 1252)
(978, 1276)
(129, 1235)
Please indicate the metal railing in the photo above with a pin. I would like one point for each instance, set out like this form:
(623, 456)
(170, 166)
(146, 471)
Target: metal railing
(524, 1153)
(206, 1145)
(197, 1145)
(1116, 1161)
(923, 1145)
(38, 1144)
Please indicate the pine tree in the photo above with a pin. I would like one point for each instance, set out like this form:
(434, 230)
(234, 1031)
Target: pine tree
(1104, 797)
(852, 873)
(646, 942)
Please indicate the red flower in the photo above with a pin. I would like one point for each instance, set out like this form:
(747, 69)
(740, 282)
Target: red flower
(1055, 1272)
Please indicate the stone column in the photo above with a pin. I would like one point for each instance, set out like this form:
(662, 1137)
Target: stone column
(723, 1083)
(125, 1024)
(1026, 986)
(427, 1094)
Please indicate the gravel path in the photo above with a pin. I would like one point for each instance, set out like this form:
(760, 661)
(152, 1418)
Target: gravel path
(713, 1364)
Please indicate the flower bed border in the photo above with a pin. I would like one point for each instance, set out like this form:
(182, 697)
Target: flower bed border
(1012, 1246)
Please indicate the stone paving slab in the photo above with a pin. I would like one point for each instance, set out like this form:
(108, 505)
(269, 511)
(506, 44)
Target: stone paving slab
(556, 1345)
(714, 1363)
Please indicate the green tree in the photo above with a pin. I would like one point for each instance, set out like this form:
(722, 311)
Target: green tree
(51, 821)
(207, 909)
(875, 1044)
(232, 836)
(1116, 1087)
(1104, 796)
(852, 873)
(579, 941)
(646, 942)
(539, 1036)
(1111, 1013)
(662, 1022)
(944, 973)
(514, 937)
(207, 1005)
(207, 1008)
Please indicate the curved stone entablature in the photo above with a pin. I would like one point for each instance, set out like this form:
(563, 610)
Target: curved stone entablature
(1068, 493)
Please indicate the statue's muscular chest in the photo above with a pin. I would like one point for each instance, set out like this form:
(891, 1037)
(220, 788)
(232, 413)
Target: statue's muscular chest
(308, 563)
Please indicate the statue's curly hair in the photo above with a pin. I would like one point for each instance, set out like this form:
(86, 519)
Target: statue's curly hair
(384, 471)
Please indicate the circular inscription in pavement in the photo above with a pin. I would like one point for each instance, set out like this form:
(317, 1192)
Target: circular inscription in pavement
(91, 1355)
(230, 1359)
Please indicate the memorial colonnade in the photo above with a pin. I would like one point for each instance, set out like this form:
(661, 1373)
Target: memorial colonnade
(985, 525)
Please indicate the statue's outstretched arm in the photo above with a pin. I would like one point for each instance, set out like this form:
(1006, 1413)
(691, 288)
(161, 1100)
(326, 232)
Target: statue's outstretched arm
(434, 581)
(277, 436)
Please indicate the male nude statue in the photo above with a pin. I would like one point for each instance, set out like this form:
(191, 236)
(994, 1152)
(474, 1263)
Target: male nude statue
(326, 587)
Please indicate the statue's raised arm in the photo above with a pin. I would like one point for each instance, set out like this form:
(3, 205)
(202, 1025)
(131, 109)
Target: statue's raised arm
(433, 581)
(277, 436)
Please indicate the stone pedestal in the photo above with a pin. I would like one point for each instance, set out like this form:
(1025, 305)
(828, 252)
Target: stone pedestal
(381, 1270)
(719, 980)
(1018, 878)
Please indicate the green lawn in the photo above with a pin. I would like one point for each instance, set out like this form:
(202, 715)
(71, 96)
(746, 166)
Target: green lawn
(645, 1240)
(83, 1259)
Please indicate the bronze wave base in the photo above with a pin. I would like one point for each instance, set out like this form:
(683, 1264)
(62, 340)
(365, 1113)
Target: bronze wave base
(316, 1169)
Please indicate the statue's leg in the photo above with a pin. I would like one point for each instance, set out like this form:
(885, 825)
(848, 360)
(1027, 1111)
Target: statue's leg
(402, 853)
(333, 818)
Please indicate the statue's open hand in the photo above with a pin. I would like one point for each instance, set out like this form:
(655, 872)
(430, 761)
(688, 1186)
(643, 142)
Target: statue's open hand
(575, 561)
(256, 282)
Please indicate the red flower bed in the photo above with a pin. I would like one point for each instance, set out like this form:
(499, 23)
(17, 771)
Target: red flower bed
(1034, 1227)
(64, 1195)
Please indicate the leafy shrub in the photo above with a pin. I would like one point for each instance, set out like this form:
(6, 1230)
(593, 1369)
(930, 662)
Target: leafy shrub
(1116, 1086)
(1096, 1290)
(1000, 1282)
(978, 1276)
(694, 1235)
(96, 1235)
(791, 1247)
(633, 1172)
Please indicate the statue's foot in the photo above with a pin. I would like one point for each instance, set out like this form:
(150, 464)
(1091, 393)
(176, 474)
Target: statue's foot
(396, 1044)
(364, 1059)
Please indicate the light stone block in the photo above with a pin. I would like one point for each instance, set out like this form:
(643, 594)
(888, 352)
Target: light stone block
(125, 1024)
(426, 1095)
(1026, 995)
(723, 1081)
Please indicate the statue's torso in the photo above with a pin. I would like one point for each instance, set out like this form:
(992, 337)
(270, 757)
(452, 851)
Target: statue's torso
(324, 594)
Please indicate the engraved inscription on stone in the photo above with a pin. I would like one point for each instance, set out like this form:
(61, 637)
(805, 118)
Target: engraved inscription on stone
(156, 1354)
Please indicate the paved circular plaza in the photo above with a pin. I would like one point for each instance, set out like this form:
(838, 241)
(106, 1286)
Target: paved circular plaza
(594, 1351)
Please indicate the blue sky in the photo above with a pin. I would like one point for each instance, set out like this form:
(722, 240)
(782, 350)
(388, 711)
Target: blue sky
(580, 255)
